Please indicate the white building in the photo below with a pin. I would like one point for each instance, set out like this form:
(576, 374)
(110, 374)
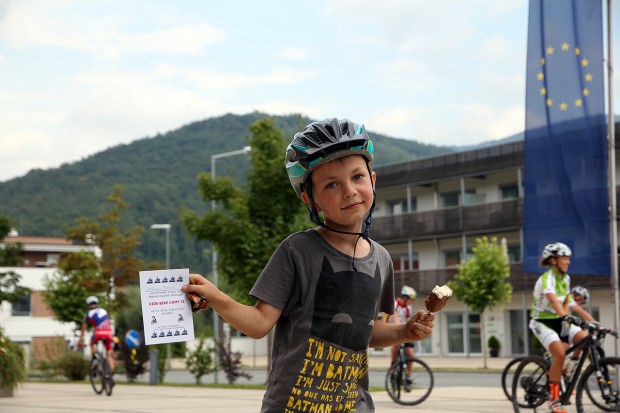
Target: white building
(430, 212)
(30, 321)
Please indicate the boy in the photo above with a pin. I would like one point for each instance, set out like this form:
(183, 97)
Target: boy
(324, 287)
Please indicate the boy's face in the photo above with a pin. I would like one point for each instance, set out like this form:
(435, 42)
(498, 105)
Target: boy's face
(343, 191)
(578, 299)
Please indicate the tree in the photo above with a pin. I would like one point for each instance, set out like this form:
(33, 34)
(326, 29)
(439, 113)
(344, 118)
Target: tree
(481, 280)
(249, 223)
(10, 290)
(83, 274)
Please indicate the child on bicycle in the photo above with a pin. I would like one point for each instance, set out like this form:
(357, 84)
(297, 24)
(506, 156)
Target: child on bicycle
(323, 288)
(577, 300)
(102, 329)
(548, 312)
(402, 312)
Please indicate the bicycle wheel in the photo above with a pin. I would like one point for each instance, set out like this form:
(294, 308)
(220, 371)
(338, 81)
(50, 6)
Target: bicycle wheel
(507, 375)
(589, 384)
(530, 383)
(410, 390)
(108, 382)
(96, 376)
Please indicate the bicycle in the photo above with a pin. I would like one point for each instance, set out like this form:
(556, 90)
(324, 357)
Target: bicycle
(599, 380)
(409, 389)
(99, 372)
(508, 374)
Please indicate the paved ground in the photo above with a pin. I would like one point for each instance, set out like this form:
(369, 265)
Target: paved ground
(67, 398)
(34, 397)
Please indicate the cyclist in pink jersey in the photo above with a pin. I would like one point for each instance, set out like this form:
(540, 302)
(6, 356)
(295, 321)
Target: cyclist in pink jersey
(97, 318)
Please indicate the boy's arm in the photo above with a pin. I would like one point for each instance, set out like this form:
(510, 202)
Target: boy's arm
(581, 312)
(254, 321)
(417, 328)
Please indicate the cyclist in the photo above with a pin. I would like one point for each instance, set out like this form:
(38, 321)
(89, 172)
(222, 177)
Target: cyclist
(548, 312)
(98, 318)
(577, 300)
(402, 312)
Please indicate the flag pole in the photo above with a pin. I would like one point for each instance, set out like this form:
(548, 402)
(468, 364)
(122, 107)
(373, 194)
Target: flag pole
(611, 144)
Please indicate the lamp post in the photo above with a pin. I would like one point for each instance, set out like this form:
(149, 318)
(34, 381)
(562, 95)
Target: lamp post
(167, 228)
(216, 330)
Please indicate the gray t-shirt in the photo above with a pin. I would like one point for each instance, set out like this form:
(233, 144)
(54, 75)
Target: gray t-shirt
(319, 358)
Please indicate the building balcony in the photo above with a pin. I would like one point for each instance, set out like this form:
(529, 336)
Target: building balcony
(424, 280)
(449, 222)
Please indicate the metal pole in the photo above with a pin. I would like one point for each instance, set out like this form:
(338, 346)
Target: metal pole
(611, 142)
(167, 228)
(216, 330)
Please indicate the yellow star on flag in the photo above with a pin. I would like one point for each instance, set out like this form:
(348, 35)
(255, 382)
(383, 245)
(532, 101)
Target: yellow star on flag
(563, 106)
(565, 46)
(578, 103)
(588, 77)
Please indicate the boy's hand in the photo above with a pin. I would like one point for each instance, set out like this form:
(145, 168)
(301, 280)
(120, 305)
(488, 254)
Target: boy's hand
(197, 291)
(420, 325)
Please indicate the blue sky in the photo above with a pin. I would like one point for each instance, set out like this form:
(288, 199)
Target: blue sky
(80, 76)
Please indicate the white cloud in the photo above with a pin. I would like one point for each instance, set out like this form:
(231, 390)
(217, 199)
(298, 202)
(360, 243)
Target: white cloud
(294, 53)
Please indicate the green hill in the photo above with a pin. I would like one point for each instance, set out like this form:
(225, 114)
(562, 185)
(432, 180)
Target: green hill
(159, 175)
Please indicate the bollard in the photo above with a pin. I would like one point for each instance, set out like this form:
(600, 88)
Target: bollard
(154, 363)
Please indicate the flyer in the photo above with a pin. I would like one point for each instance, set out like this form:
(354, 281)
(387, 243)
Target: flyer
(166, 310)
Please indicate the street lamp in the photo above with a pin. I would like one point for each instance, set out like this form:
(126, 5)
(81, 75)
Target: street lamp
(216, 330)
(167, 228)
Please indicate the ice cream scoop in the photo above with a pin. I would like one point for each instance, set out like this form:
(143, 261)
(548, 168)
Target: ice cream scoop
(438, 298)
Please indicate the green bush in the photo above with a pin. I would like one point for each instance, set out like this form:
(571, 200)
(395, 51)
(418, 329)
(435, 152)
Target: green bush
(12, 364)
(200, 361)
(493, 343)
(73, 366)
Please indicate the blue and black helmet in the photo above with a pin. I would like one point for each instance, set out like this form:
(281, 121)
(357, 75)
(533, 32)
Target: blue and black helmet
(321, 142)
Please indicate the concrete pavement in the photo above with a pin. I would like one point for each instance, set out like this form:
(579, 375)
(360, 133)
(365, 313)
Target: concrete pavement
(69, 397)
(34, 397)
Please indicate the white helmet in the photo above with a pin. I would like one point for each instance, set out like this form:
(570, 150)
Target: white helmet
(408, 291)
(556, 249)
(582, 291)
(92, 300)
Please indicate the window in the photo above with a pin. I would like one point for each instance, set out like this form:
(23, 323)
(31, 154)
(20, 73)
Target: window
(21, 308)
(397, 207)
(450, 199)
(401, 262)
(452, 258)
(514, 253)
(509, 191)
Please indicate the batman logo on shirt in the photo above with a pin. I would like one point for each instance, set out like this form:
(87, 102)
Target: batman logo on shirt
(345, 307)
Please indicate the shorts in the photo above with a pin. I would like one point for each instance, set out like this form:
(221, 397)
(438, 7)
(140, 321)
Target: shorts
(105, 336)
(549, 330)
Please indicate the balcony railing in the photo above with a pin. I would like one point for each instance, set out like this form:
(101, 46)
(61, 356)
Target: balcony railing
(424, 280)
(491, 217)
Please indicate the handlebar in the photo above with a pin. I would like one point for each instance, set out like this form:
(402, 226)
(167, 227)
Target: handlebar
(592, 327)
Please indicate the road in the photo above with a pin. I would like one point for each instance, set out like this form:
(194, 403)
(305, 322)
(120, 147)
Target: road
(377, 378)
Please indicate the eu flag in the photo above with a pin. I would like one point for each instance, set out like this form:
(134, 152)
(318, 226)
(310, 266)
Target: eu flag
(565, 162)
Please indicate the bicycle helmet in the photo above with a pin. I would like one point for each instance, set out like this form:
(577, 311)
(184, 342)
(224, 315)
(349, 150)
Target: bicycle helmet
(408, 291)
(319, 143)
(582, 291)
(556, 249)
(92, 300)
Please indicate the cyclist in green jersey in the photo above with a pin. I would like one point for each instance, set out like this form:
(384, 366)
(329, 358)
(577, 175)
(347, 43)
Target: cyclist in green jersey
(551, 290)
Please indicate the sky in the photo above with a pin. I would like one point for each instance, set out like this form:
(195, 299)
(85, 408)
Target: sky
(80, 76)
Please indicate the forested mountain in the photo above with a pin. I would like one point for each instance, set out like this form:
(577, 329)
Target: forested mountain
(159, 175)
